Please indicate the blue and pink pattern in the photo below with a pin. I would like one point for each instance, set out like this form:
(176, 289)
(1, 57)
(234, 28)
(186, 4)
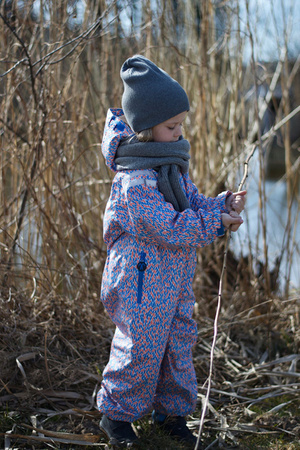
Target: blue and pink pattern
(147, 288)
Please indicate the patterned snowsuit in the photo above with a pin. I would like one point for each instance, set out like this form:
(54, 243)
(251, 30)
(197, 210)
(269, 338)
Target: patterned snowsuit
(147, 288)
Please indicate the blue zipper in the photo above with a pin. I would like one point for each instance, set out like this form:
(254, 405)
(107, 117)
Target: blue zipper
(141, 267)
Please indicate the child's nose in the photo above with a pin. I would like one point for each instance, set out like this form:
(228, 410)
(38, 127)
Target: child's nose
(178, 130)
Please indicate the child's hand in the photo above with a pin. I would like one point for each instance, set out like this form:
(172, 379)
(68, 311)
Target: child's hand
(236, 201)
(232, 220)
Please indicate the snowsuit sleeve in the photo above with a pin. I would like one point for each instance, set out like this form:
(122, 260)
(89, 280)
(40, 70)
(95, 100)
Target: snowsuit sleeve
(138, 208)
(199, 201)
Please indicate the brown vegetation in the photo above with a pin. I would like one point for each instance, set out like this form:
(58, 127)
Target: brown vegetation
(58, 78)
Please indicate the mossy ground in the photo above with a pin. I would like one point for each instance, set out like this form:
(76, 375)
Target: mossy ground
(278, 430)
(51, 368)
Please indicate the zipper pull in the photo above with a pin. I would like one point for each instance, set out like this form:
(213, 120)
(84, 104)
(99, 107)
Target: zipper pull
(141, 267)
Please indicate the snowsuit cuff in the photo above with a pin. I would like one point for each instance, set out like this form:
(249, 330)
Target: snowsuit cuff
(221, 230)
(223, 197)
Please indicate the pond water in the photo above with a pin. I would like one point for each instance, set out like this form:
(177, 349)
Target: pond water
(276, 227)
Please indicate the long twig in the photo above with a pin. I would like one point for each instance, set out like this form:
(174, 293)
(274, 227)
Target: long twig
(216, 320)
(220, 289)
(28, 58)
(2, 75)
(45, 59)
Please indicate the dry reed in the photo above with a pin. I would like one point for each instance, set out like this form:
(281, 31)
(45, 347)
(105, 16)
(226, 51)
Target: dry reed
(58, 78)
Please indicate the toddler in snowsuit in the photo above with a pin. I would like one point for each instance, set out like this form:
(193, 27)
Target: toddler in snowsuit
(154, 221)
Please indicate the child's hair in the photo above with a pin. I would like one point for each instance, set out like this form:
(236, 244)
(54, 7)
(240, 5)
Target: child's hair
(145, 135)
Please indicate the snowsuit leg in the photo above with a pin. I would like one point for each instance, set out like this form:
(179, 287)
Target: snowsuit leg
(176, 392)
(151, 348)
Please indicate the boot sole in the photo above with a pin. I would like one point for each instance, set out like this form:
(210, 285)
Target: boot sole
(115, 443)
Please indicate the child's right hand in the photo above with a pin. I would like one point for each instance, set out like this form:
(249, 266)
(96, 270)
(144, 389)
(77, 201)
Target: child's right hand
(232, 220)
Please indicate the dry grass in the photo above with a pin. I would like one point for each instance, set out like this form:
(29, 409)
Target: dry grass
(57, 82)
(52, 358)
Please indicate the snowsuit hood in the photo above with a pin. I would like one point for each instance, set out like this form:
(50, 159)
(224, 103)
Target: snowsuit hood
(115, 131)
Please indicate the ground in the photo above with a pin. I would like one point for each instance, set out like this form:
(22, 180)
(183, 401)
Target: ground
(52, 356)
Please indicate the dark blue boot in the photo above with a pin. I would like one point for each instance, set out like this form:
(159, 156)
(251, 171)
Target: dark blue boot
(120, 434)
(174, 426)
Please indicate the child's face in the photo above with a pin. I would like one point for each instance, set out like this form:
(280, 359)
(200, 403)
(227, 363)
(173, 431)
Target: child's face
(170, 130)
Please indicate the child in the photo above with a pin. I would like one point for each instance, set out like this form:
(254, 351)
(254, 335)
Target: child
(154, 221)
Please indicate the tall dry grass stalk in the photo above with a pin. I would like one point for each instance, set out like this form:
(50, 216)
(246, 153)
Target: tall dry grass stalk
(58, 79)
(59, 73)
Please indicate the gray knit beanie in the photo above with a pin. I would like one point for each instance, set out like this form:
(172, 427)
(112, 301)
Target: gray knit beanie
(150, 95)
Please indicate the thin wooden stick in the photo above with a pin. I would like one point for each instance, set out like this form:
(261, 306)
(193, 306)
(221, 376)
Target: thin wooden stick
(220, 290)
(245, 176)
(209, 379)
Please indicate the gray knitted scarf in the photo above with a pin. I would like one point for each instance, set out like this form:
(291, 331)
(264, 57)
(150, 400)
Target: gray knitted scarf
(167, 158)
